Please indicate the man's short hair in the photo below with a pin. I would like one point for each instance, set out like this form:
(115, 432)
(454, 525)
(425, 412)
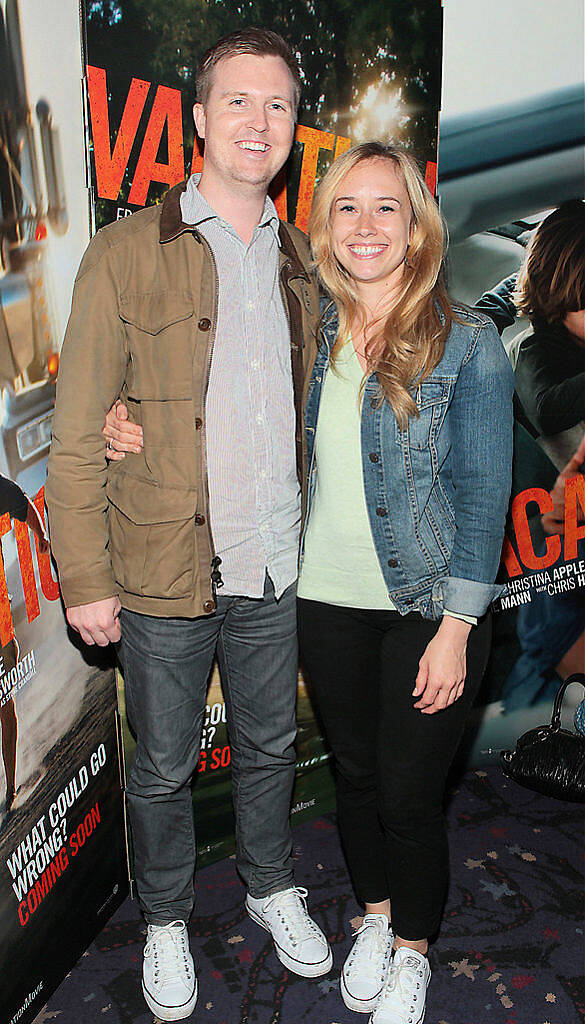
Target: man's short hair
(259, 41)
(552, 280)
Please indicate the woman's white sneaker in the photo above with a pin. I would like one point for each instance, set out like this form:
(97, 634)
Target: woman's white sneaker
(365, 971)
(300, 944)
(169, 984)
(404, 996)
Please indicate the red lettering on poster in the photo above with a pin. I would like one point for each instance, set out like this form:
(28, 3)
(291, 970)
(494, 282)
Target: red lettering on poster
(197, 161)
(341, 146)
(312, 140)
(166, 109)
(27, 572)
(520, 520)
(431, 176)
(574, 492)
(6, 626)
(509, 558)
(110, 166)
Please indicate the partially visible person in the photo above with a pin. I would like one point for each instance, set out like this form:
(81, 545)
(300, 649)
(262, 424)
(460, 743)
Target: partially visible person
(549, 379)
(14, 501)
(409, 440)
(549, 357)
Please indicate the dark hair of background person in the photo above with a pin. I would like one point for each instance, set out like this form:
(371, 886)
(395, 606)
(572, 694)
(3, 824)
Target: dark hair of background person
(551, 282)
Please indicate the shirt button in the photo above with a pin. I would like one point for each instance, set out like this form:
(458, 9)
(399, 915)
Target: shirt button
(204, 324)
(374, 457)
(392, 562)
(381, 512)
(374, 403)
(199, 520)
(209, 606)
(259, 418)
(198, 423)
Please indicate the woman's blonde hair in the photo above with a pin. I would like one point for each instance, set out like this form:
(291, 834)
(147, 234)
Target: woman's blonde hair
(405, 345)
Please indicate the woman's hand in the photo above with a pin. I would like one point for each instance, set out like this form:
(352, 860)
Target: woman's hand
(442, 668)
(122, 435)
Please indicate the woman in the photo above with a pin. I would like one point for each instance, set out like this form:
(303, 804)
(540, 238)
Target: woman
(409, 436)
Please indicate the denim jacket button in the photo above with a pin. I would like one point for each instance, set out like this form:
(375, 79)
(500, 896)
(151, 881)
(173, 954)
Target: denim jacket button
(374, 457)
(392, 562)
(381, 512)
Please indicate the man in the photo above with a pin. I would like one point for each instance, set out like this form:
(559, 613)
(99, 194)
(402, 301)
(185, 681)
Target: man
(199, 313)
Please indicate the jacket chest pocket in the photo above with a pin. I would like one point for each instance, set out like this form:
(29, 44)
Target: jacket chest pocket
(432, 398)
(158, 328)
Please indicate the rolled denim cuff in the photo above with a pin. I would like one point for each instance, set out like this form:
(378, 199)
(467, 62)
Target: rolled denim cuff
(467, 597)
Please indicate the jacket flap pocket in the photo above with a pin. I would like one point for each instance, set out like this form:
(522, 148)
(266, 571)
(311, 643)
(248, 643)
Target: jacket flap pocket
(153, 311)
(144, 503)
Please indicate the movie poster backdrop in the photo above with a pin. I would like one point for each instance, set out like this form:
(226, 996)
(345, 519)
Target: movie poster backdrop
(368, 70)
(63, 863)
(502, 169)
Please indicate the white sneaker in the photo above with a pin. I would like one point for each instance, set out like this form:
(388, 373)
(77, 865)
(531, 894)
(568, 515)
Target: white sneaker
(169, 984)
(365, 971)
(404, 996)
(300, 944)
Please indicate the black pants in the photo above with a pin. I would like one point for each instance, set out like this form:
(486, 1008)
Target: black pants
(391, 761)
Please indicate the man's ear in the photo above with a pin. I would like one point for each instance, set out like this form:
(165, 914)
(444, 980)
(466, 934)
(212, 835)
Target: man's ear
(199, 119)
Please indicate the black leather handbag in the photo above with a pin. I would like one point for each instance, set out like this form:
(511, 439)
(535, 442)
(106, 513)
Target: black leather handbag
(549, 759)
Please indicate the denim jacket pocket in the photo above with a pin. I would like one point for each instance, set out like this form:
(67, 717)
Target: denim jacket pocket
(431, 399)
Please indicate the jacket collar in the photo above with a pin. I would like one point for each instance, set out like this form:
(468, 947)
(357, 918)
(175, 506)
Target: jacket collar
(171, 221)
(172, 225)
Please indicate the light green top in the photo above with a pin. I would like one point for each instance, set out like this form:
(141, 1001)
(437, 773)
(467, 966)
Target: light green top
(340, 565)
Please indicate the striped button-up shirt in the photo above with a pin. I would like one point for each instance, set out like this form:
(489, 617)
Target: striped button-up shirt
(254, 500)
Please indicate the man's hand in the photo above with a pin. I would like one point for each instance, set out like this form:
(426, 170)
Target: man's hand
(442, 668)
(121, 434)
(98, 622)
(554, 521)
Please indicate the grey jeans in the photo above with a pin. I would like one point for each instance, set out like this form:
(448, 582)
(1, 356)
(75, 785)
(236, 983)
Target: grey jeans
(166, 668)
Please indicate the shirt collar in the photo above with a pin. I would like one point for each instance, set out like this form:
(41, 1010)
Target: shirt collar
(195, 209)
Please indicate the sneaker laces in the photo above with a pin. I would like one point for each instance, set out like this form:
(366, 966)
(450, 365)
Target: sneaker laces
(169, 948)
(377, 946)
(402, 984)
(291, 910)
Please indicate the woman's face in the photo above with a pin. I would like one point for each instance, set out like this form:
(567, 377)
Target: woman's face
(371, 219)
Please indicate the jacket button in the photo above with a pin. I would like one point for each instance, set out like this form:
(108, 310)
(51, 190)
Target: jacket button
(198, 423)
(381, 512)
(392, 562)
(209, 606)
(204, 324)
(374, 457)
(199, 520)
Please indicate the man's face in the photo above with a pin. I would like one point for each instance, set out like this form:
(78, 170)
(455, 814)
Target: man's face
(248, 121)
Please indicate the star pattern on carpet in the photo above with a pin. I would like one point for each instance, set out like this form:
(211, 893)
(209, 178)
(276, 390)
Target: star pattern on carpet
(497, 889)
(472, 864)
(464, 968)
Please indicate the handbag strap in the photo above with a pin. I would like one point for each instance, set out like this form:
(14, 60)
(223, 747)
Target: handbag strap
(576, 677)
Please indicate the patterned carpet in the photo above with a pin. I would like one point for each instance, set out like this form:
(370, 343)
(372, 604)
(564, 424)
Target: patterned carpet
(510, 950)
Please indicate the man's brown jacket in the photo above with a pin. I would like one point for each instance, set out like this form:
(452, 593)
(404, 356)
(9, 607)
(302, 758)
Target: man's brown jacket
(142, 326)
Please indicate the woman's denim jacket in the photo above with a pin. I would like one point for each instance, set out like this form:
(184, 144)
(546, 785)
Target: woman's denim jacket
(436, 492)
